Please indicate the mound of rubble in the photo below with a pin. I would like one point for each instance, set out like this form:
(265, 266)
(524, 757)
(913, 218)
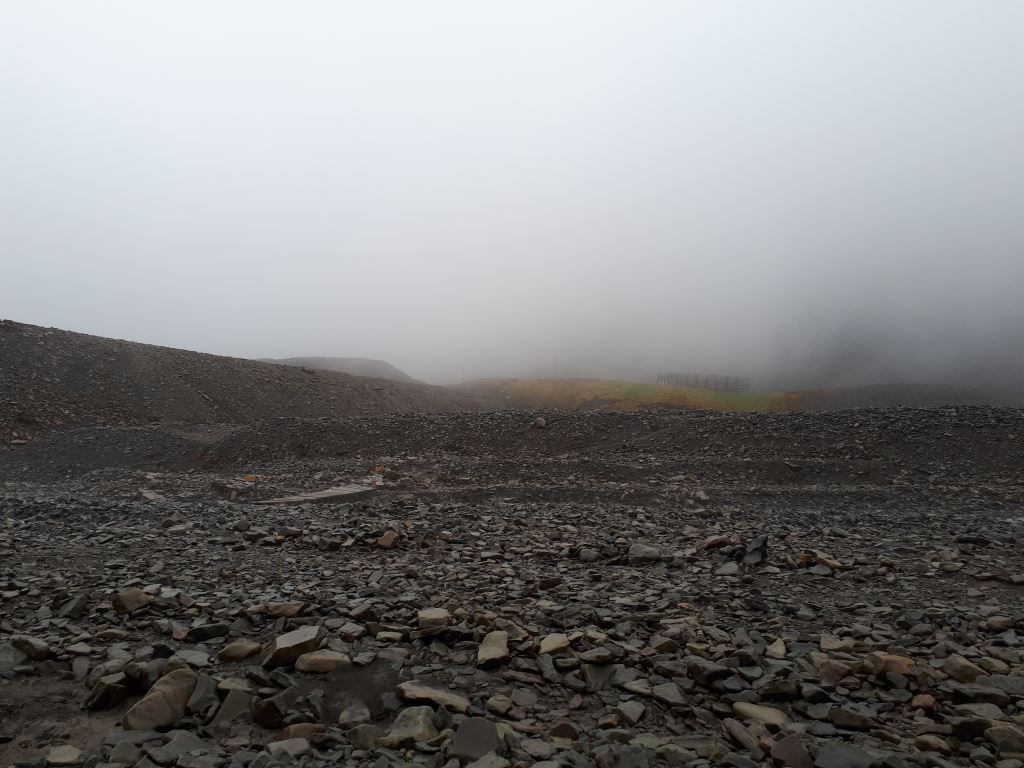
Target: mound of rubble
(50, 378)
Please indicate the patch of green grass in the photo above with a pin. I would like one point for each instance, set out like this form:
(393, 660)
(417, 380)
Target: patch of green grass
(587, 394)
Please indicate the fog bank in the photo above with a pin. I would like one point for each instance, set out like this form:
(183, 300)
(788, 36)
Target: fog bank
(805, 193)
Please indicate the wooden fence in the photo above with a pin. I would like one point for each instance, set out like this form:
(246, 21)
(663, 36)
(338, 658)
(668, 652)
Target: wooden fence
(706, 381)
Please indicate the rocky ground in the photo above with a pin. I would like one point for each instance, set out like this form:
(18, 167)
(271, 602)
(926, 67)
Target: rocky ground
(838, 590)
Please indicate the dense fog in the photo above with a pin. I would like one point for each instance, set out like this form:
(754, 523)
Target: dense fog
(805, 193)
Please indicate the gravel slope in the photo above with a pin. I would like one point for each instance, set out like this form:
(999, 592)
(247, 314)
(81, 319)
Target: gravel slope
(50, 377)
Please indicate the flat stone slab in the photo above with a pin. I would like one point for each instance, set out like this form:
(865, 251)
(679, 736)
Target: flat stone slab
(339, 493)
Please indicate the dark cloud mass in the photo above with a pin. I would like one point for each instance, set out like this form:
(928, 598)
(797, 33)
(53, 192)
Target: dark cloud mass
(806, 193)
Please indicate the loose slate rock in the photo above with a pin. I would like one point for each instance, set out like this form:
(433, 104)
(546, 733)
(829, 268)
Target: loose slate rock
(288, 647)
(180, 743)
(239, 650)
(790, 752)
(433, 617)
(321, 661)
(164, 703)
(290, 747)
(353, 715)
(33, 647)
(554, 643)
(493, 649)
(642, 554)
(837, 754)
(760, 713)
(416, 691)
(412, 724)
(65, 754)
(130, 600)
(1006, 738)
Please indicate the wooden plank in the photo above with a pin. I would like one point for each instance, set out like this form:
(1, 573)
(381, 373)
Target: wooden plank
(341, 493)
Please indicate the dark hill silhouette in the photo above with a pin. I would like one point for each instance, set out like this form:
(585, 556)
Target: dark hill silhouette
(50, 377)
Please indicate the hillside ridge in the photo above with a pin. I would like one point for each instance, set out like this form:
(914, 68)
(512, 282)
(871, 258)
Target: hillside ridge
(354, 366)
(51, 377)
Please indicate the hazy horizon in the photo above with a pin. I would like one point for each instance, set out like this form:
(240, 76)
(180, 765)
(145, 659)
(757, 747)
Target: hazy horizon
(799, 192)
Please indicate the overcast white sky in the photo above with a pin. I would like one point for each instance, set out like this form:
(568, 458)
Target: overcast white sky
(612, 187)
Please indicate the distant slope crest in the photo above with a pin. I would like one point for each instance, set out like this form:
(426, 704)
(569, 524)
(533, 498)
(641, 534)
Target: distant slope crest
(354, 366)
